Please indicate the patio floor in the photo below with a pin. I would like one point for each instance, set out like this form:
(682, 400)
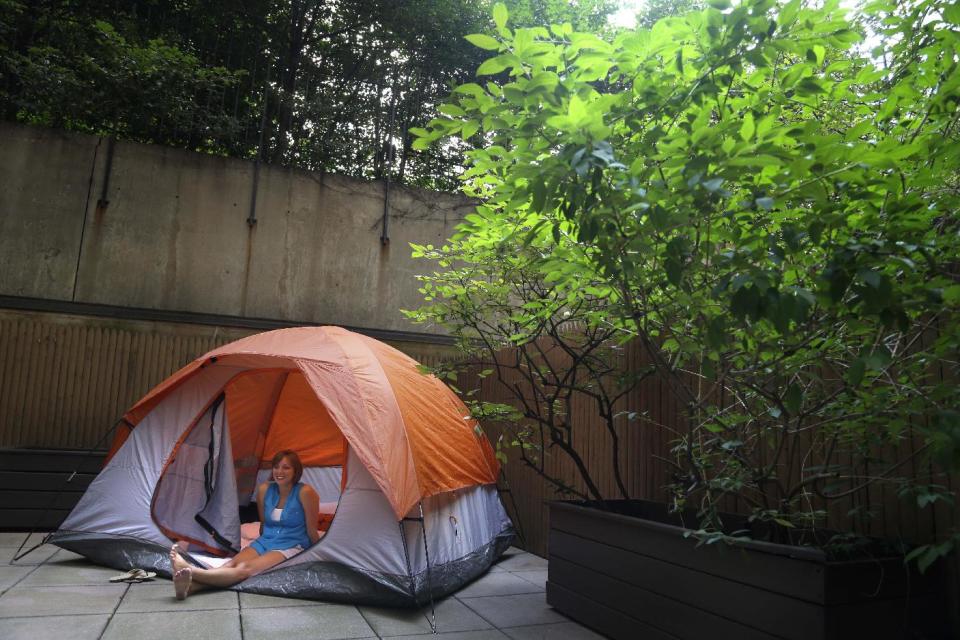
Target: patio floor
(52, 593)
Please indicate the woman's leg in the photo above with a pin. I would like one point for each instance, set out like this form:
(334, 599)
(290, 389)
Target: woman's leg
(245, 564)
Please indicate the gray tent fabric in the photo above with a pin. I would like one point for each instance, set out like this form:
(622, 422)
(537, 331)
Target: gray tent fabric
(199, 486)
(152, 489)
(118, 501)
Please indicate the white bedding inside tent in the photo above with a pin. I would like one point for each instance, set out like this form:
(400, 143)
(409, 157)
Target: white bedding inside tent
(249, 532)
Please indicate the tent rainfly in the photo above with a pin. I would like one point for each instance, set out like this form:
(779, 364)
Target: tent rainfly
(407, 482)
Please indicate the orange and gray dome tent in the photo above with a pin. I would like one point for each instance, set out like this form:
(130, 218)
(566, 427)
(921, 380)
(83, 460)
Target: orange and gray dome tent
(406, 478)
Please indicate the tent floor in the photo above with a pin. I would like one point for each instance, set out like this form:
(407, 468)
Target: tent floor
(56, 593)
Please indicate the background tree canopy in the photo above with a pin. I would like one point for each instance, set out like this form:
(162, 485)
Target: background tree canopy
(329, 85)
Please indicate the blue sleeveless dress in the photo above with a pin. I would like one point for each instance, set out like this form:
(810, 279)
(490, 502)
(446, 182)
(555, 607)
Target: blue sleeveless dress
(287, 532)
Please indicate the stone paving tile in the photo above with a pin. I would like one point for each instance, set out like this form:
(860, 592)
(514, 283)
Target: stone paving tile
(523, 562)
(451, 616)
(163, 625)
(14, 538)
(159, 597)
(515, 610)
(395, 622)
(257, 601)
(560, 631)
(497, 584)
(73, 627)
(509, 553)
(69, 573)
(9, 576)
(486, 634)
(35, 557)
(52, 601)
(330, 622)
(454, 616)
(538, 578)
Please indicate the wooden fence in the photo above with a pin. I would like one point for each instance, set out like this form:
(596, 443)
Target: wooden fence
(66, 379)
(645, 443)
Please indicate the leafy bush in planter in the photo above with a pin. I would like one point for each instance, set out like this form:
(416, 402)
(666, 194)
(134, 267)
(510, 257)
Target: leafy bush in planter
(762, 197)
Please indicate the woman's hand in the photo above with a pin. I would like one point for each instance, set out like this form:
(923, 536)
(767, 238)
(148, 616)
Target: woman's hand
(310, 501)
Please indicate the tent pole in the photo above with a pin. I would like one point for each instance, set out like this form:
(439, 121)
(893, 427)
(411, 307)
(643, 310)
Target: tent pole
(406, 556)
(426, 551)
(56, 497)
(516, 510)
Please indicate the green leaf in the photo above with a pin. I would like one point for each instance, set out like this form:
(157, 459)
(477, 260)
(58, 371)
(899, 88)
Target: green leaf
(820, 53)
(494, 65)
(951, 294)
(748, 127)
(483, 41)
(816, 53)
(716, 332)
(793, 398)
(855, 372)
(451, 110)
(951, 13)
(916, 553)
(878, 358)
(470, 127)
(719, 4)
(470, 88)
(745, 303)
(810, 87)
(500, 15)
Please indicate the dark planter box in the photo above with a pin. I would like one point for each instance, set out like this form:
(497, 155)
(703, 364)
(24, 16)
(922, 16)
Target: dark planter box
(637, 576)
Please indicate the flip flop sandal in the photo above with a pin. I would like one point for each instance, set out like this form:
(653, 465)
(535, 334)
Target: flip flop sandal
(143, 576)
(134, 576)
(123, 577)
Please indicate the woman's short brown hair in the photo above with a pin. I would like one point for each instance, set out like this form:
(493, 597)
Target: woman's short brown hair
(294, 461)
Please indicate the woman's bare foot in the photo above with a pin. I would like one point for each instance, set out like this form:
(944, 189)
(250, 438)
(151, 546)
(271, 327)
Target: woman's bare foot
(176, 560)
(181, 582)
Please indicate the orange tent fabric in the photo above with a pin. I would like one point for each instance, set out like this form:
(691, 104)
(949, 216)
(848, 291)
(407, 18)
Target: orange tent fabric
(327, 385)
(434, 418)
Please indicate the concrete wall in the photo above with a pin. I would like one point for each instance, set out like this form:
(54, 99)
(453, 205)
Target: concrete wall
(174, 235)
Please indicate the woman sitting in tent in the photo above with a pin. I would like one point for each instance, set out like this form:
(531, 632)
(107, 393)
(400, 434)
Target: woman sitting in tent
(286, 508)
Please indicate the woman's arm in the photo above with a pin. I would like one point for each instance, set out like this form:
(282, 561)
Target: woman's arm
(310, 502)
(261, 492)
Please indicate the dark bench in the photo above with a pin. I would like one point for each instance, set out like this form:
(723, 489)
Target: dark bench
(36, 492)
